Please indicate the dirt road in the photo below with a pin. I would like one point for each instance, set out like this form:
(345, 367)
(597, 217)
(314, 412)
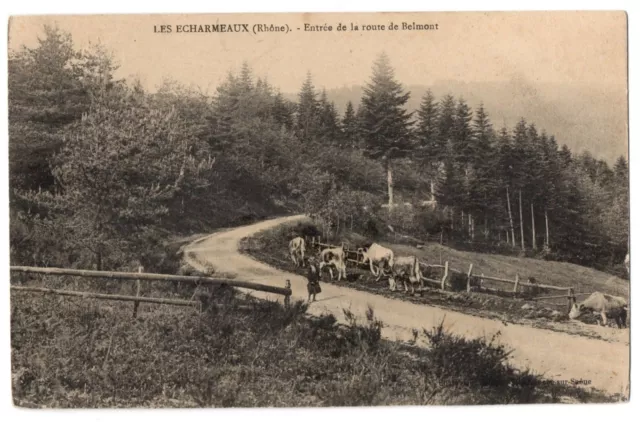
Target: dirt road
(559, 356)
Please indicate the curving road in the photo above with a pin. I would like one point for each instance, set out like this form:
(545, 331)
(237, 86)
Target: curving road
(557, 355)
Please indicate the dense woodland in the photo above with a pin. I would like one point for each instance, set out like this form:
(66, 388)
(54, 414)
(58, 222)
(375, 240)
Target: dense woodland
(103, 171)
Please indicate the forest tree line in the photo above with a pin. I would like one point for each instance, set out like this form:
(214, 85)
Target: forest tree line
(102, 169)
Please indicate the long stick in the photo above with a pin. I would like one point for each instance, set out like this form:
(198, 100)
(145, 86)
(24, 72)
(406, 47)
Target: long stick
(533, 229)
(546, 222)
(138, 288)
(89, 295)
(521, 222)
(151, 276)
(513, 234)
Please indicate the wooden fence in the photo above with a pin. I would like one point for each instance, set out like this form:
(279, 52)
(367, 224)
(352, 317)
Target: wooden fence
(138, 277)
(447, 271)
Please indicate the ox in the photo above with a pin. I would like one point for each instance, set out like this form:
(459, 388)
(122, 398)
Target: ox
(406, 268)
(296, 250)
(605, 305)
(379, 256)
(334, 257)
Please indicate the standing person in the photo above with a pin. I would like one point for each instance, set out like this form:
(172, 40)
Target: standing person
(313, 277)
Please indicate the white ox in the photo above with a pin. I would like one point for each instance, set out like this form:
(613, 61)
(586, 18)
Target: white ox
(605, 305)
(379, 256)
(296, 250)
(406, 268)
(334, 257)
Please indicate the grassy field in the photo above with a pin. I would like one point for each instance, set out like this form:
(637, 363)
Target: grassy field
(241, 352)
(70, 352)
(561, 274)
(270, 246)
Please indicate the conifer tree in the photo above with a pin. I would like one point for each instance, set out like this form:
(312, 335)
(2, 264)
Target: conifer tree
(385, 123)
(350, 127)
(328, 124)
(307, 111)
(430, 151)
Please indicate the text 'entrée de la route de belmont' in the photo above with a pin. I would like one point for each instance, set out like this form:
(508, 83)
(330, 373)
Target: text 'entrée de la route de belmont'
(266, 27)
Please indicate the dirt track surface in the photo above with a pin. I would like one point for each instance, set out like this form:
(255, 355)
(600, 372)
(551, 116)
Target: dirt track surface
(556, 355)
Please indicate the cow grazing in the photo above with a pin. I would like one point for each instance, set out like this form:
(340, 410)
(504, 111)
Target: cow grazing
(379, 256)
(334, 257)
(605, 305)
(406, 268)
(296, 250)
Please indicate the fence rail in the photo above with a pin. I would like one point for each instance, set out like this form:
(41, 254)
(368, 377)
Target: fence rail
(116, 275)
(138, 277)
(447, 271)
(91, 295)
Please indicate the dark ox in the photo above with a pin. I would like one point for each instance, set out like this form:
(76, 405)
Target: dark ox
(407, 269)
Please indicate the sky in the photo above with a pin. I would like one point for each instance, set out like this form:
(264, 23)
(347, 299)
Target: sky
(575, 51)
(555, 47)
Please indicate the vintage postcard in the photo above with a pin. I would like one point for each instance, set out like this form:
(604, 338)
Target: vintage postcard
(319, 210)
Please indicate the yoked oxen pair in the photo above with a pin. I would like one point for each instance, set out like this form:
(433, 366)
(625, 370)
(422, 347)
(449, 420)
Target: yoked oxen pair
(406, 268)
(379, 256)
(606, 305)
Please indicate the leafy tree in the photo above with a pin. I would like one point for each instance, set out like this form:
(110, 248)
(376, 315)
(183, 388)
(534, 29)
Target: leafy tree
(120, 172)
(50, 86)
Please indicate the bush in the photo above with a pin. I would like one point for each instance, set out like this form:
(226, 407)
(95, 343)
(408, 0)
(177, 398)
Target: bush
(458, 282)
(372, 228)
(68, 352)
(475, 366)
(305, 230)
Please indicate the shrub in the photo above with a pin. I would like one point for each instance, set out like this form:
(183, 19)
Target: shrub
(458, 282)
(479, 366)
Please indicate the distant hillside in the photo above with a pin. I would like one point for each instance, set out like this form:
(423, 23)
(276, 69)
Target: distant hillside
(584, 117)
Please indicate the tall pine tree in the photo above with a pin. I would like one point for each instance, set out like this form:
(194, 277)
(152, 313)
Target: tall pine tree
(350, 127)
(307, 111)
(385, 123)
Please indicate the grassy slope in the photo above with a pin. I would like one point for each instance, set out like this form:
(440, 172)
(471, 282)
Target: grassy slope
(561, 274)
(69, 352)
(547, 272)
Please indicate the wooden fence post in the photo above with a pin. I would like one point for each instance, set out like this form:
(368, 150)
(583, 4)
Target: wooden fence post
(445, 276)
(469, 275)
(287, 298)
(138, 287)
(570, 297)
(515, 286)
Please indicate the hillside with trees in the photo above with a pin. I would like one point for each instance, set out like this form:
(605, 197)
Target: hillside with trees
(102, 171)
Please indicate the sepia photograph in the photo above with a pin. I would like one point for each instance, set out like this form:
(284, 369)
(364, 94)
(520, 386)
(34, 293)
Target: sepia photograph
(302, 210)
